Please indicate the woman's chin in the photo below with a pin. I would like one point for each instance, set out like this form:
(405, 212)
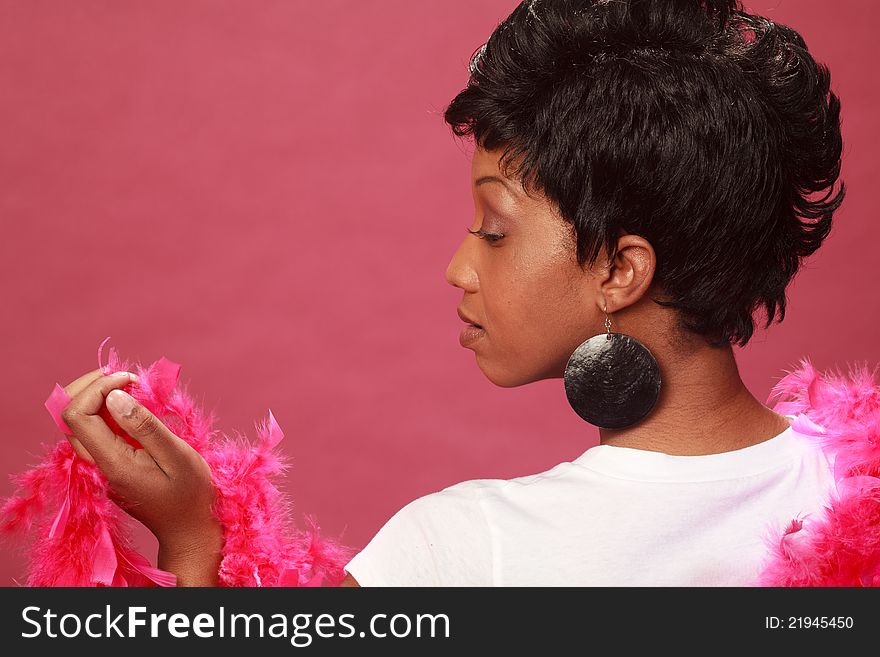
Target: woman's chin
(501, 377)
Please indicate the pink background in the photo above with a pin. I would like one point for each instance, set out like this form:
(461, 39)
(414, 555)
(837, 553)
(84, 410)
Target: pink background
(265, 192)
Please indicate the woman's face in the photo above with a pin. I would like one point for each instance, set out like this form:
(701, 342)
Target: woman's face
(526, 290)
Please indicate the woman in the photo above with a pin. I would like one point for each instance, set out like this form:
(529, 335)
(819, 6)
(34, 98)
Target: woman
(644, 172)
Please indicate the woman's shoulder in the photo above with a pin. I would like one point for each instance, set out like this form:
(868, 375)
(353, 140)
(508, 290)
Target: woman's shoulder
(447, 537)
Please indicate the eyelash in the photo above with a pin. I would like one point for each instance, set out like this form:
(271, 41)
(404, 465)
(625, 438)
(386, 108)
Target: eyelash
(490, 237)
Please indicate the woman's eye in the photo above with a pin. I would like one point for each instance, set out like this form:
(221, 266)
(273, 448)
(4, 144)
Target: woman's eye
(491, 237)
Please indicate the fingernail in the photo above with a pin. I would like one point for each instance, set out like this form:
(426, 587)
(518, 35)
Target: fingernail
(128, 375)
(121, 403)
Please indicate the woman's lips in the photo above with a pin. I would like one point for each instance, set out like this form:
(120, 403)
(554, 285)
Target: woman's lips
(471, 333)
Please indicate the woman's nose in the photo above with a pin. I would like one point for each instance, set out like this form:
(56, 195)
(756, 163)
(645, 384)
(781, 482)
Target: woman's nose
(460, 272)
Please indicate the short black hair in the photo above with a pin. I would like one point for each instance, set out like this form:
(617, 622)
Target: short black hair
(709, 131)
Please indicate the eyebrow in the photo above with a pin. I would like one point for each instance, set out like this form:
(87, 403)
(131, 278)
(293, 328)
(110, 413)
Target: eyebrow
(487, 179)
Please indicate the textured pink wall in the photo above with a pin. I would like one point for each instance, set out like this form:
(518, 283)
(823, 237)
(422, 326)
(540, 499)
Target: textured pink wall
(266, 193)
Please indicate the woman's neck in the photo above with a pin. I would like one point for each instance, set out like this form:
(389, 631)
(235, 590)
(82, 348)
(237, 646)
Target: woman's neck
(703, 408)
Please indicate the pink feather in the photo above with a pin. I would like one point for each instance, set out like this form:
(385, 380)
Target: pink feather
(840, 547)
(86, 541)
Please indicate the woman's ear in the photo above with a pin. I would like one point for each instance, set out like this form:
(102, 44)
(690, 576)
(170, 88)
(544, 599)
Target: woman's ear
(630, 272)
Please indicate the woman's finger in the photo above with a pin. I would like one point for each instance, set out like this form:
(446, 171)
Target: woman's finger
(81, 451)
(82, 416)
(73, 389)
(139, 423)
(78, 385)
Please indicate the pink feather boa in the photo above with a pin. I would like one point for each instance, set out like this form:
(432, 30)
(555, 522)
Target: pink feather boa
(841, 545)
(87, 540)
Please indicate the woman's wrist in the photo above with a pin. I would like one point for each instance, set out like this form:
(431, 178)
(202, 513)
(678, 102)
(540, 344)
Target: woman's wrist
(194, 558)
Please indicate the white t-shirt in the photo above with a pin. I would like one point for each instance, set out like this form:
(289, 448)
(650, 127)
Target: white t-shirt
(615, 516)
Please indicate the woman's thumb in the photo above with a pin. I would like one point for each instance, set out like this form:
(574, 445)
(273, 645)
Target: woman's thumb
(120, 406)
(144, 428)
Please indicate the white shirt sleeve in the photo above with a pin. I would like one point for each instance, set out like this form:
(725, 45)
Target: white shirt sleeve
(440, 539)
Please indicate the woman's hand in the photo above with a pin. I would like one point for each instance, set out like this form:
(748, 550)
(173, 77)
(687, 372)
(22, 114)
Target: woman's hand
(167, 485)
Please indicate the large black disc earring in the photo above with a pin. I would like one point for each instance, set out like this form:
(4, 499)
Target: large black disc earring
(612, 380)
